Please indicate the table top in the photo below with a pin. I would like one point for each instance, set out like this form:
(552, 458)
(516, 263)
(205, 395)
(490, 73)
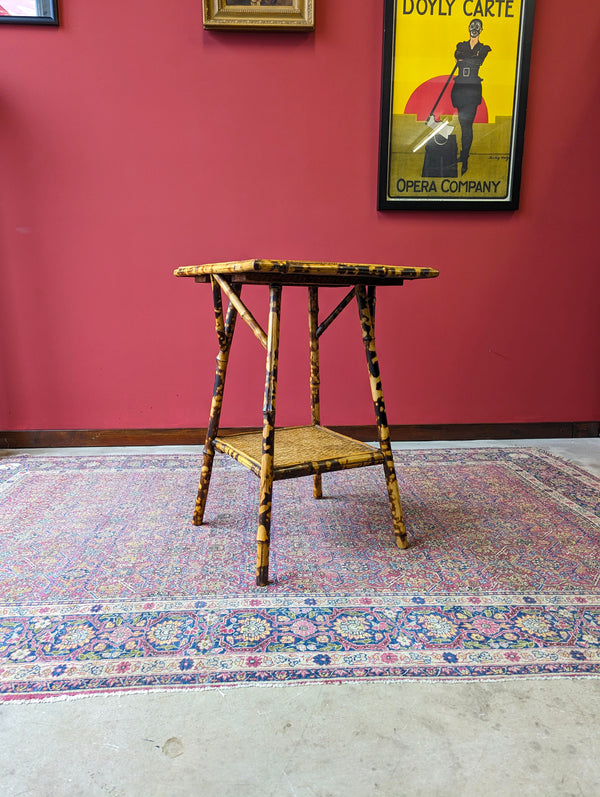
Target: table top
(297, 272)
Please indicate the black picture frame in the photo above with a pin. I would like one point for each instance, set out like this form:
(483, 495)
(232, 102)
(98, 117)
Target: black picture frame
(422, 166)
(46, 14)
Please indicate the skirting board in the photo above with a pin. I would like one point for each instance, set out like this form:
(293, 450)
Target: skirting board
(70, 438)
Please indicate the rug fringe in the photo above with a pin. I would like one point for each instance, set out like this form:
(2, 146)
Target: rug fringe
(6, 701)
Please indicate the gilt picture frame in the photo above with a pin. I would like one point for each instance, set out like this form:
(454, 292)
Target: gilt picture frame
(29, 12)
(453, 102)
(287, 15)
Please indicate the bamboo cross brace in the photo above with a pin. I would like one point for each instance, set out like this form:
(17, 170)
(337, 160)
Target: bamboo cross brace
(245, 314)
(224, 329)
(335, 313)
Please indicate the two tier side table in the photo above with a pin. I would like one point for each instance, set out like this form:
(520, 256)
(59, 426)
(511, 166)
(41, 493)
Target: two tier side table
(288, 453)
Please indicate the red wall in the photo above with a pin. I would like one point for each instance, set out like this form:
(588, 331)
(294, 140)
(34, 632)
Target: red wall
(133, 141)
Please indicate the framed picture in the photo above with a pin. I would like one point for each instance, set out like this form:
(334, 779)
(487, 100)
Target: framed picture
(29, 12)
(265, 14)
(454, 94)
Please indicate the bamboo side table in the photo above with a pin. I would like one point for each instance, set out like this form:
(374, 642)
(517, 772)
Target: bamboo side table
(288, 453)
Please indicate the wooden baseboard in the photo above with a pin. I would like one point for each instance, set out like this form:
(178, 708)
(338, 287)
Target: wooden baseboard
(70, 438)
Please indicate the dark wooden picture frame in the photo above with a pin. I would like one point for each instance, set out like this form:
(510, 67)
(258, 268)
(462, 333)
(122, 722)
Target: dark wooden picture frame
(45, 13)
(287, 15)
(450, 137)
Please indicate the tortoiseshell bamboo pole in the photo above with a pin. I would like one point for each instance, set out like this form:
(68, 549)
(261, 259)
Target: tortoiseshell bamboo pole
(225, 336)
(263, 537)
(218, 303)
(242, 309)
(372, 301)
(366, 305)
(315, 380)
(335, 313)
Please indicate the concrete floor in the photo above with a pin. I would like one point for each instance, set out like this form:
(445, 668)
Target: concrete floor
(529, 737)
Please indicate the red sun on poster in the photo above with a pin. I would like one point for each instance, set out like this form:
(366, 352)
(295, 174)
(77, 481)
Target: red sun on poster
(424, 97)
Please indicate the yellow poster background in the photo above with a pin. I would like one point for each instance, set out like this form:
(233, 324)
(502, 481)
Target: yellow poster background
(424, 48)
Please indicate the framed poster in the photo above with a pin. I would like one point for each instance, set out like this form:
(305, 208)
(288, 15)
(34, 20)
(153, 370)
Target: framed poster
(265, 14)
(454, 94)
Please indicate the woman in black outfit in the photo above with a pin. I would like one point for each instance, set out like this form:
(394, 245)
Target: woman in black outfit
(466, 92)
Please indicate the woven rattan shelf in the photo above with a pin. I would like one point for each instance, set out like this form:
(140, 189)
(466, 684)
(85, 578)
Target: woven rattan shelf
(300, 451)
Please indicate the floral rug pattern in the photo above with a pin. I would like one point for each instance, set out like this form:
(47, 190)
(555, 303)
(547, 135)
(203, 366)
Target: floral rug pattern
(105, 585)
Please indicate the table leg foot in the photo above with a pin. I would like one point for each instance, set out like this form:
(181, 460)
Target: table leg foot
(317, 486)
(394, 496)
(262, 577)
(263, 536)
(205, 474)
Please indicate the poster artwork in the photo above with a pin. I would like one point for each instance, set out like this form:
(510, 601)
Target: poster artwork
(453, 102)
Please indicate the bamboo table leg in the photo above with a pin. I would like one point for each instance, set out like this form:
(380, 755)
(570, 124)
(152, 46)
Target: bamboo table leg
(315, 383)
(225, 336)
(263, 536)
(366, 305)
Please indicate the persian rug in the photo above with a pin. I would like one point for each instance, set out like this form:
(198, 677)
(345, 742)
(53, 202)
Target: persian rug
(105, 585)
